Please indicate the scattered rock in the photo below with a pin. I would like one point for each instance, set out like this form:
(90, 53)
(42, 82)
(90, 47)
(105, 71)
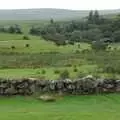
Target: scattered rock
(47, 98)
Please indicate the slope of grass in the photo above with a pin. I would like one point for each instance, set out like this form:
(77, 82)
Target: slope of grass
(49, 72)
(37, 45)
(103, 107)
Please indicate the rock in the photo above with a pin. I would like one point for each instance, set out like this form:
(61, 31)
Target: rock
(60, 85)
(47, 98)
(52, 85)
(32, 88)
(89, 77)
(117, 85)
(10, 91)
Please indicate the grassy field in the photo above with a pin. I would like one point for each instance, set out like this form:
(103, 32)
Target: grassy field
(40, 60)
(41, 55)
(102, 107)
(49, 72)
(37, 45)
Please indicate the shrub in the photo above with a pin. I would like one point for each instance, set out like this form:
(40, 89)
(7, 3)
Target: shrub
(26, 38)
(27, 45)
(64, 74)
(99, 45)
(56, 71)
(75, 69)
(43, 72)
(13, 47)
(71, 42)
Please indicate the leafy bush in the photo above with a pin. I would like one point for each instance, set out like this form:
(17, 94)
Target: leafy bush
(43, 72)
(71, 42)
(26, 38)
(99, 45)
(65, 74)
(27, 45)
(13, 47)
(56, 71)
(75, 69)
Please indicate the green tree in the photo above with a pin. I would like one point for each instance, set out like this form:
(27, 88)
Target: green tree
(11, 29)
(96, 17)
(116, 36)
(51, 21)
(90, 17)
(92, 34)
(99, 45)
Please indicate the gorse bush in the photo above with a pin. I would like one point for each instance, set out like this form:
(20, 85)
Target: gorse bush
(43, 71)
(13, 47)
(99, 45)
(27, 45)
(75, 69)
(56, 71)
(65, 74)
(26, 38)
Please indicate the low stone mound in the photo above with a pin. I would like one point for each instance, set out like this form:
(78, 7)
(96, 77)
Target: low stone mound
(47, 98)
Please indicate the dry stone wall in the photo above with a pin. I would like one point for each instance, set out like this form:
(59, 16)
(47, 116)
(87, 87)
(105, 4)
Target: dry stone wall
(82, 86)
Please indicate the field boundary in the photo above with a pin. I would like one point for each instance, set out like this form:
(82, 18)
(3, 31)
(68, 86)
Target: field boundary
(82, 86)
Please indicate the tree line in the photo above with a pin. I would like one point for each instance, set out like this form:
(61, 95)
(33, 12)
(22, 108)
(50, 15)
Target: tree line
(93, 28)
(13, 29)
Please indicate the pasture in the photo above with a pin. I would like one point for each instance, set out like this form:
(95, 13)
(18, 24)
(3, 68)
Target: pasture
(29, 61)
(50, 72)
(39, 58)
(36, 45)
(105, 107)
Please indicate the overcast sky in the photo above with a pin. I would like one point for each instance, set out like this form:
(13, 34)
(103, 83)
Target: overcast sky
(63, 4)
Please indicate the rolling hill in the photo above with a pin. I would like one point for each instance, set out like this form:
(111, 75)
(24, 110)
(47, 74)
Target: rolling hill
(48, 13)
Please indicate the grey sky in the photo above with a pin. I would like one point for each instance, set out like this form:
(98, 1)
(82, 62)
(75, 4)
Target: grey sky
(63, 4)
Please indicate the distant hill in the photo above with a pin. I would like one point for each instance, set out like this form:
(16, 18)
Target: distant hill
(45, 14)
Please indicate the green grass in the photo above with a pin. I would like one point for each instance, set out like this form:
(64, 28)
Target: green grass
(37, 45)
(30, 63)
(102, 107)
(41, 55)
(50, 72)
(6, 37)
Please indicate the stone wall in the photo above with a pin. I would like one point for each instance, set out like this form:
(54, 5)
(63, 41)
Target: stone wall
(82, 86)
